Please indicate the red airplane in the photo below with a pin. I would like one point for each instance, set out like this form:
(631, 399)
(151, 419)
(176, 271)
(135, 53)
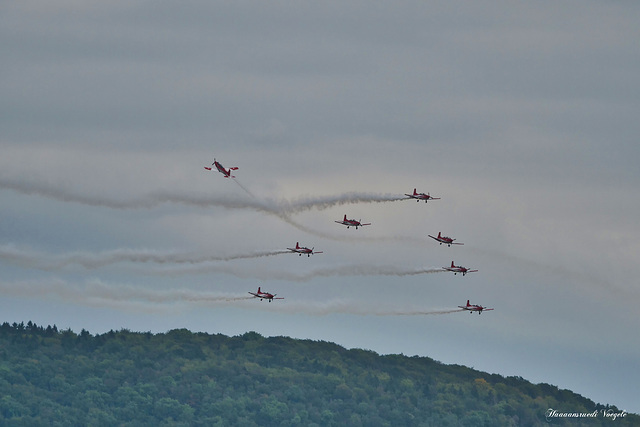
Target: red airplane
(459, 269)
(351, 222)
(264, 295)
(444, 239)
(474, 307)
(221, 169)
(421, 196)
(302, 250)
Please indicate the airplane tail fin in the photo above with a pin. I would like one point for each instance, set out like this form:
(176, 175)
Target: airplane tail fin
(259, 292)
(297, 245)
(415, 193)
(439, 236)
(468, 305)
(345, 217)
(452, 264)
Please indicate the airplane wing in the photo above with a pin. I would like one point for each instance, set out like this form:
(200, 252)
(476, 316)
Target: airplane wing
(487, 309)
(255, 295)
(453, 243)
(341, 222)
(318, 252)
(362, 225)
(472, 271)
(278, 298)
(434, 238)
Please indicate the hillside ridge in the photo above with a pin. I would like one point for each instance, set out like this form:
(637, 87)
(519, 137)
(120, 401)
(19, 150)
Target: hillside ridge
(60, 377)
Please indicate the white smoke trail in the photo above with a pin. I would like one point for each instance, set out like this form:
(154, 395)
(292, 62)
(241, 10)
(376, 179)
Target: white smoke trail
(95, 293)
(302, 204)
(422, 313)
(148, 201)
(42, 261)
(357, 308)
(285, 275)
(278, 207)
(246, 190)
(365, 270)
(190, 263)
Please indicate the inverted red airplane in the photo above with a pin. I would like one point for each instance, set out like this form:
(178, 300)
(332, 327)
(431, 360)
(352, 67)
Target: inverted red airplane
(421, 196)
(351, 222)
(302, 250)
(221, 169)
(474, 307)
(444, 239)
(264, 295)
(459, 269)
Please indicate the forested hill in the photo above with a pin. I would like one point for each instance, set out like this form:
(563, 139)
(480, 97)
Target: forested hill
(52, 377)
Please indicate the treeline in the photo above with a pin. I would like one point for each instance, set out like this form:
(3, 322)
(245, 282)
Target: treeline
(60, 378)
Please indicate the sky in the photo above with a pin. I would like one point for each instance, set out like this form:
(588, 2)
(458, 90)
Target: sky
(521, 116)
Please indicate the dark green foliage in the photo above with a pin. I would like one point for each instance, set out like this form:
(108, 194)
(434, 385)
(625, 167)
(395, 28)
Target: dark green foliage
(51, 377)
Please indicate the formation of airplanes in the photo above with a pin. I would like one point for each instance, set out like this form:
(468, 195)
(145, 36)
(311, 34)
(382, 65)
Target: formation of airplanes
(264, 295)
(302, 250)
(351, 222)
(474, 307)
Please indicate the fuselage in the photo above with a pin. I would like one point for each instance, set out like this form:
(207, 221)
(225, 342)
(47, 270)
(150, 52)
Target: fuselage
(421, 196)
(300, 250)
(221, 169)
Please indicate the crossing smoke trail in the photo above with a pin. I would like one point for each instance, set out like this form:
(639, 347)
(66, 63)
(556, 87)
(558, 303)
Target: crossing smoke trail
(283, 209)
(347, 238)
(95, 293)
(102, 259)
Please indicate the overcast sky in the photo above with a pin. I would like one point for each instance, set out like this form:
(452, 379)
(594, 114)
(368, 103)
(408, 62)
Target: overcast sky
(522, 117)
